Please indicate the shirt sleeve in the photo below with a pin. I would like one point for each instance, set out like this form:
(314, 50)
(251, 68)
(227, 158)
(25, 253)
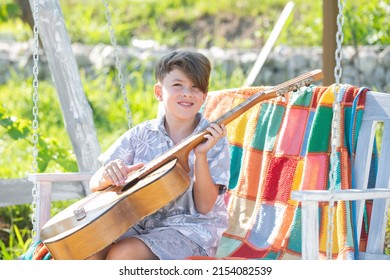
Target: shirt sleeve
(122, 149)
(219, 164)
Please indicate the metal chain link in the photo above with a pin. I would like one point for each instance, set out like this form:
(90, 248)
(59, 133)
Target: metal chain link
(339, 41)
(117, 63)
(335, 137)
(35, 98)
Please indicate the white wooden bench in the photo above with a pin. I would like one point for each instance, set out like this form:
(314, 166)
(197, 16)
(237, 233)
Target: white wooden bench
(377, 109)
(45, 183)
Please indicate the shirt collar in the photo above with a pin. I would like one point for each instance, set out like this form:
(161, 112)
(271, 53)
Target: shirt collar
(158, 123)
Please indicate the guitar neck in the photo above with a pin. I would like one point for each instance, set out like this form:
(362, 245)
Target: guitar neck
(279, 90)
(182, 149)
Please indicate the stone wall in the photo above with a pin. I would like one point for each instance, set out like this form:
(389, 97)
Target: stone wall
(366, 66)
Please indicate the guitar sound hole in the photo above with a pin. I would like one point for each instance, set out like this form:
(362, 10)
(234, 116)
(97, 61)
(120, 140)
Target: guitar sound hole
(130, 184)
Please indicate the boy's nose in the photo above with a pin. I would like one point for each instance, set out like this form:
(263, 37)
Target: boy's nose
(186, 91)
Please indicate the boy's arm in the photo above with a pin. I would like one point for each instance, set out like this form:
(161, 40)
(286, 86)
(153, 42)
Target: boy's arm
(205, 190)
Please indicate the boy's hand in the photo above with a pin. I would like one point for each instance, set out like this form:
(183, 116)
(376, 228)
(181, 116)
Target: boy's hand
(116, 171)
(216, 133)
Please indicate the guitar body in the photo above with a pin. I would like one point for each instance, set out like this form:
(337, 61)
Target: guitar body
(100, 218)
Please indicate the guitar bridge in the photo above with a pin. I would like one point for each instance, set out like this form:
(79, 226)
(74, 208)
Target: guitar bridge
(79, 213)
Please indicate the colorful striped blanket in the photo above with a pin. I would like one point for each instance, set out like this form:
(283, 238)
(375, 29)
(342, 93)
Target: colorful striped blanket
(279, 146)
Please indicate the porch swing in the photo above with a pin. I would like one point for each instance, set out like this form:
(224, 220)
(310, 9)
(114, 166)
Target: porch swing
(271, 171)
(84, 154)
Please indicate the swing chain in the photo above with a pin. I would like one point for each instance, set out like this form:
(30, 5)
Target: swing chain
(117, 62)
(335, 136)
(335, 142)
(339, 41)
(35, 97)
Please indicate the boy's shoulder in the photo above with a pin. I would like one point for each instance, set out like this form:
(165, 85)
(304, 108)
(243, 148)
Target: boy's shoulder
(152, 124)
(202, 124)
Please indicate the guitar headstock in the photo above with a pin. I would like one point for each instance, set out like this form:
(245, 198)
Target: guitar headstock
(317, 74)
(305, 79)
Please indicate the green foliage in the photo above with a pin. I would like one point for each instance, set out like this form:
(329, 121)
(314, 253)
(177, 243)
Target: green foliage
(16, 132)
(11, 25)
(174, 22)
(368, 26)
(8, 10)
(107, 102)
(15, 236)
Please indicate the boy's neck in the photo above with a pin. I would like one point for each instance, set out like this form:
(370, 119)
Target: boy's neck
(178, 130)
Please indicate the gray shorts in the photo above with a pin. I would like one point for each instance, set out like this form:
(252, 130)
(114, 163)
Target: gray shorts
(166, 243)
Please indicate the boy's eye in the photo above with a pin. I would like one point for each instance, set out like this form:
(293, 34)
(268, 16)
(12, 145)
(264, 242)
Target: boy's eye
(196, 87)
(177, 85)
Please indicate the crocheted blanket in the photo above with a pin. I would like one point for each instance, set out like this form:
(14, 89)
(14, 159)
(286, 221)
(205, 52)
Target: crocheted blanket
(278, 146)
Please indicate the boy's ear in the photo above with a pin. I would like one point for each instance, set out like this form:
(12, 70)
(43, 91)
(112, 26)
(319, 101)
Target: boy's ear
(158, 92)
(205, 96)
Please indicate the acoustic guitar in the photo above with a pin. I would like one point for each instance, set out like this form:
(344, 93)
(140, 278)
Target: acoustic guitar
(97, 220)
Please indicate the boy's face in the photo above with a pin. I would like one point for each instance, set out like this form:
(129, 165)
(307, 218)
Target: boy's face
(181, 98)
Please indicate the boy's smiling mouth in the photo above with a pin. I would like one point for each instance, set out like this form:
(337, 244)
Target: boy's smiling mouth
(187, 104)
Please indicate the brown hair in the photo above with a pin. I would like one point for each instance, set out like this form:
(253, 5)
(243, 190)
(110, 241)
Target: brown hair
(194, 64)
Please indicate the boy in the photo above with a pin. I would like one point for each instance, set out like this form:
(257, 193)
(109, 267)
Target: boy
(192, 224)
